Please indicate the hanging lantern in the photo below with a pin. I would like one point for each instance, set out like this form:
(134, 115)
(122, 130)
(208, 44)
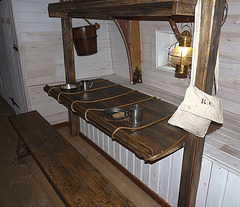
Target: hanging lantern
(180, 54)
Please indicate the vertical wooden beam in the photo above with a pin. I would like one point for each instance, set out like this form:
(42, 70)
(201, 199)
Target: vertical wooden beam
(211, 18)
(69, 66)
(130, 31)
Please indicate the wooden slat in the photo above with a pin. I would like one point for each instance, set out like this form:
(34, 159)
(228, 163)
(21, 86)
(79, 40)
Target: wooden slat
(75, 179)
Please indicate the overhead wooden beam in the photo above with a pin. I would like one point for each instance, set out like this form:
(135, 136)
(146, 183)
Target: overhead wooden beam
(130, 31)
(70, 76)
(129, 8)
(211, 18)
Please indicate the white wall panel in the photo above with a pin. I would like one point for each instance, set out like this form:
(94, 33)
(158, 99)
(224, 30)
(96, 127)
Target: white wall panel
(119, 55)
(229, 79)
(39, 39)
(203, 183)
(217, 186)
(231, 196)
(157, 176)
(41, 52)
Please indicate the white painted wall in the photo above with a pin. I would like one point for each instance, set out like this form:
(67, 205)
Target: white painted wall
(220, 175)
(40, 46)
(41, 55)
(119, 55)
(229, 79)
(218, 187)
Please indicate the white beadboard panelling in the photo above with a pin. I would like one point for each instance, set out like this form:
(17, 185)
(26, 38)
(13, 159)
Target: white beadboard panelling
(231, 196)
(217, 185)
(203, 183)
(221, 147)
(33, 6)
(52, 37)
(138, 168)
(162, 79)
(155, 176)
(146, 174)
(105, 143)
(118, 50)
(225, 160)
(49, 108)
(123, 155)
(95, 133)
(175, 177)
(131, 162)
(117, 152)
(163, 177)
(38, 36)
(165, 172)
(41, 50)
(39, 27)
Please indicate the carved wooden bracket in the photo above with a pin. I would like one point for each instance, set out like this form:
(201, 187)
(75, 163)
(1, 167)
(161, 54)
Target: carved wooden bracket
(174, 27)
(130, 32)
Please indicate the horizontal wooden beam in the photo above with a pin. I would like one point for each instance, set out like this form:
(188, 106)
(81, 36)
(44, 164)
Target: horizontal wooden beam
(109, 9)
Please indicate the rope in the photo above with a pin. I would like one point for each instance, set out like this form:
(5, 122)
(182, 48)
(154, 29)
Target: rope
(104, 99)
(51, 90)
(159, 155)
(142, 127)
(90, 90)
(120, 106)
(73, 93)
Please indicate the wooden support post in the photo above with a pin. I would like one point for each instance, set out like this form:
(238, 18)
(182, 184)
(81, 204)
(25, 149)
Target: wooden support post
(69, 66)
(211, 18)
(130, 32)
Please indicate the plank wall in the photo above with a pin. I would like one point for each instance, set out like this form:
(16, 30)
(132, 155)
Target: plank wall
(41, 55)
(217, 188)
(221, 162)
(40, 46)
(229, 79)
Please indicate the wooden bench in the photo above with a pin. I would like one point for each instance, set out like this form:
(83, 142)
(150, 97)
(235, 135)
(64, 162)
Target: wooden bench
(75, 179)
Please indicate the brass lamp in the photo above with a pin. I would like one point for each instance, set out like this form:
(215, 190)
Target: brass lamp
(181, 55)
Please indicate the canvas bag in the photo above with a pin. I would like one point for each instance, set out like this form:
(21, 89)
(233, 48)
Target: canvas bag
(198, 109)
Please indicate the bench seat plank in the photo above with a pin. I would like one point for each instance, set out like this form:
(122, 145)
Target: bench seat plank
(74, 178)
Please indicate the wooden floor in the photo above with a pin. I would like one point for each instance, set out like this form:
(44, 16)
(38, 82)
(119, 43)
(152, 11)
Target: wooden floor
(25, 185)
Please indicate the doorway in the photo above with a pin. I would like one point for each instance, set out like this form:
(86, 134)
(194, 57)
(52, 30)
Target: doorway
(12, 88)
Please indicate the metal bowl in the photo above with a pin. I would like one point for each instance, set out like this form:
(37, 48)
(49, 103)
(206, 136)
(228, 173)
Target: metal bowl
(69, 87)
(115, 113)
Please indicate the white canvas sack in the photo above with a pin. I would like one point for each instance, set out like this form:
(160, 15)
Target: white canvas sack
(198, 109)
(201, 104)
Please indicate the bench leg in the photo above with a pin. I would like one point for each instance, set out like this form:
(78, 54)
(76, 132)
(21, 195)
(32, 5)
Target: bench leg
(22, 152)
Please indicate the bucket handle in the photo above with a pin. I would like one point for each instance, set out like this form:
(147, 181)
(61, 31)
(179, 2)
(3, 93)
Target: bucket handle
(96, 24)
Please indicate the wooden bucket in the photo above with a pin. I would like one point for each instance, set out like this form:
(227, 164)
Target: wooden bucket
(85, 39)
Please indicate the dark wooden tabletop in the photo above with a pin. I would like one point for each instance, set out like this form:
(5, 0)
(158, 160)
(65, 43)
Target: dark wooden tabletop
(151, 143)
